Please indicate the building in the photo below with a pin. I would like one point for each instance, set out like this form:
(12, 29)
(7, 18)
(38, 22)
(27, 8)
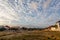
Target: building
(58, 24)
(51, 28)
(56, 27)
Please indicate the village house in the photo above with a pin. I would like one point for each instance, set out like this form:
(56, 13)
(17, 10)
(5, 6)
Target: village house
(58, 24)
(56, 27)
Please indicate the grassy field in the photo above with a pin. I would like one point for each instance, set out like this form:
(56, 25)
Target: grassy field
(30, 35)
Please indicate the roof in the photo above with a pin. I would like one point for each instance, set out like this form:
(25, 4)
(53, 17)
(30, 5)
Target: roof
(58, 21)
(49, 27)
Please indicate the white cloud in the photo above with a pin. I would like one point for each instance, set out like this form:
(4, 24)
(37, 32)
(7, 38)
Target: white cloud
(46, 4)
(7, 12)
(28, 13)
(33, 5)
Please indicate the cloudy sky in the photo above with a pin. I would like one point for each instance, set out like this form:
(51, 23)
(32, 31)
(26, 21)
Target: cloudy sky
(35, 13)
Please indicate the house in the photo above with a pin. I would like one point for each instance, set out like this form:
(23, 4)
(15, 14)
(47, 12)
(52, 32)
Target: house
(56, 27)
(58, 24)
(50, 28)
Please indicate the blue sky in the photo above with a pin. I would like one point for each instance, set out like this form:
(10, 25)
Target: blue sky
(39, 13)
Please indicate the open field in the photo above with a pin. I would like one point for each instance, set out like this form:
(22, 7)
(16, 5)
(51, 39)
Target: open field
(30, 35)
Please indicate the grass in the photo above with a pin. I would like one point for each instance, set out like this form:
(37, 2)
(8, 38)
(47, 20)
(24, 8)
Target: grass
(30, 35)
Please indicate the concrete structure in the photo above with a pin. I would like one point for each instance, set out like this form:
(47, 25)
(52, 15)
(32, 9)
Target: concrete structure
(56, 27)
(58, 24)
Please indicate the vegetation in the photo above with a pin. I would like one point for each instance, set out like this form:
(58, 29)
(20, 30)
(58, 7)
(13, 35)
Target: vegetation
(30, 35)
(16, 33)
(56, 26)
